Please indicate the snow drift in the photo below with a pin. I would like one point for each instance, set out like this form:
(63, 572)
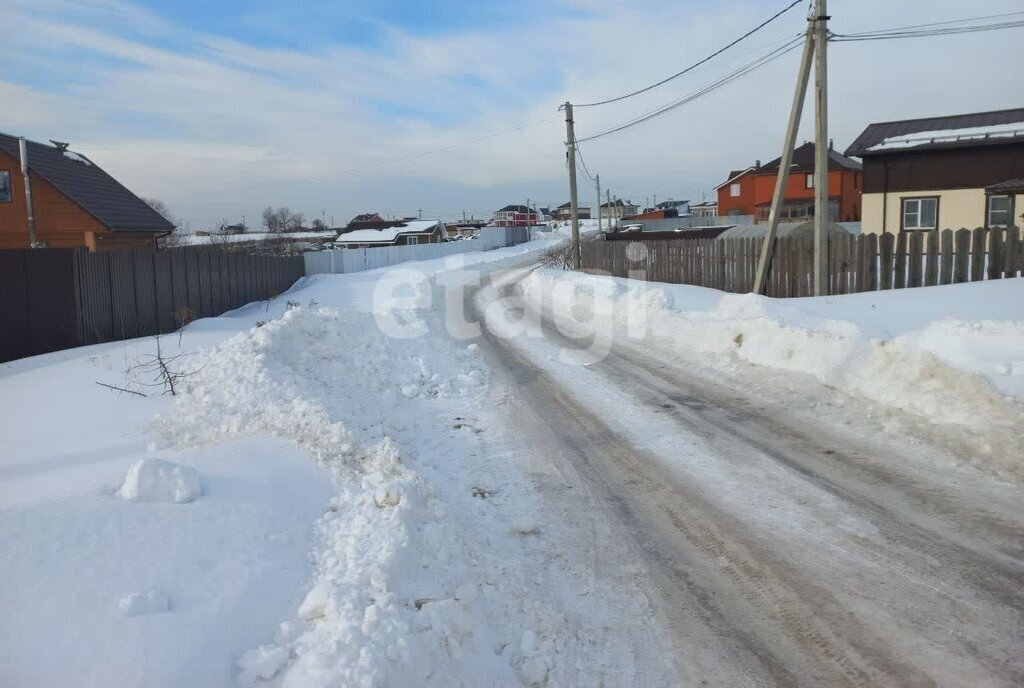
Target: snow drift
(951, 355)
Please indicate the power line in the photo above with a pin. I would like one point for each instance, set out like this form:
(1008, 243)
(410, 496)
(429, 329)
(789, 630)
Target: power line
(696, 64)
(928, 30)
(741, 72)
(579, 156)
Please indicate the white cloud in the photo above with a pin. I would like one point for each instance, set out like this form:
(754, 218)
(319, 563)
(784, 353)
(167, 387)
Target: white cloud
(238, 125)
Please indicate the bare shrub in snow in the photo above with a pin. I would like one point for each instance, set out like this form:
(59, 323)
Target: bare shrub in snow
(560, 256)
(161, 371)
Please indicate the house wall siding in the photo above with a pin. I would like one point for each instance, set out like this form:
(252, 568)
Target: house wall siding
(60, 222)
(957, 208)
(953, 168)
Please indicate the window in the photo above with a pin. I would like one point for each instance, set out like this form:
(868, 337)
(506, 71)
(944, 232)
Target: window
(809, 180)
(734, 190)
(920, 213)
(997, 214)
(6, 196)
(410, 240)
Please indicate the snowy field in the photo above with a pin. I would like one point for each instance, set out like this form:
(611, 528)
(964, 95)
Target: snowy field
(334, 496)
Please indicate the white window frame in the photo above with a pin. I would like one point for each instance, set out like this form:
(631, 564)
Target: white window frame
(412, 240)
(1008, 211)
(734, 190)
(809, 180)
(917, 202)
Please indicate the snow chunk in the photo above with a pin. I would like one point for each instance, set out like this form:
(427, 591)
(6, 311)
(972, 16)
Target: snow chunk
(156, 480)
(262, 663)
(316, 602)
(140, 602)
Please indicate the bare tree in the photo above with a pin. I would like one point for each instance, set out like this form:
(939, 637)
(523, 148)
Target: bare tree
(174, 237)
(271, 220)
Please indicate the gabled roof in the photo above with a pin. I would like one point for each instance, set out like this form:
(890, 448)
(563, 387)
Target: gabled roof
(515, 209)
(951, 131)
(734, 175)
(803, 159)
(95, 191)
(389, 235)
(618, 203)
(367, 217)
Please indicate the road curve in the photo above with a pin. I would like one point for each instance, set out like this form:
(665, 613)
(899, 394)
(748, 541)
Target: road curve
(777, 551)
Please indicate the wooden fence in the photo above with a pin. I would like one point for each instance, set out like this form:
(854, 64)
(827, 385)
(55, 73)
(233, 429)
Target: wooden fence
(60, 298)
(867, 262)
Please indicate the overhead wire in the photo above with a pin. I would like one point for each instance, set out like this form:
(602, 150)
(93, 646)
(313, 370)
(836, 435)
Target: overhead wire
(944, 28)
(694, 65)
(729, 78)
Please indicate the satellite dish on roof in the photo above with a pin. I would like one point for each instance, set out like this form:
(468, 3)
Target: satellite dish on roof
(60, 145)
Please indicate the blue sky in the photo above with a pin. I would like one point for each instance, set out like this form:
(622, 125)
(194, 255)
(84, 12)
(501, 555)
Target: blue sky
(223, 107)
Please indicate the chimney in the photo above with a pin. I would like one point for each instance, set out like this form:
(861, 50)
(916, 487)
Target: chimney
(757, 164)
(23, 153)
(831, 144)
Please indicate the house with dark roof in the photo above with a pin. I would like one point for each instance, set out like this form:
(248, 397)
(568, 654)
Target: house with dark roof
(404, 233)
(516, 216)
(619, 209)
(74, 202)
(749, 191)
(564, 212)
(943, 172)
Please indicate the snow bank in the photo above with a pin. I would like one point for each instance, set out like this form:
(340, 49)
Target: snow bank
(156, 480)
(955, 363)
(394, 600)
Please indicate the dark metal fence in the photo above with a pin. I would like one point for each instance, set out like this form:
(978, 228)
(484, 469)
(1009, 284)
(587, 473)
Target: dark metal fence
(60, 298)
(868, 262)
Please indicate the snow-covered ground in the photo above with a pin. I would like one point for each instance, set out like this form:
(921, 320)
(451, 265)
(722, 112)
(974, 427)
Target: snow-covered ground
(952, 355)
(337, 495)
(321, 504)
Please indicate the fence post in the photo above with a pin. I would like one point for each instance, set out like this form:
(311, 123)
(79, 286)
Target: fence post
(1012, 250)
(978, 254)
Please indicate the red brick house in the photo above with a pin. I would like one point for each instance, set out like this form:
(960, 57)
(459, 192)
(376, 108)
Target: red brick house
(75, 203)
(750, 191)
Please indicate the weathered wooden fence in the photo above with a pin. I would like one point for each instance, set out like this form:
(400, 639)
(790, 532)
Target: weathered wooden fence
(60, 298)
(867, 262)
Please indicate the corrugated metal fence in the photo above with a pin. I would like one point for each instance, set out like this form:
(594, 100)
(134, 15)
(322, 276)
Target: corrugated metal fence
(360, 259)
(57, 299)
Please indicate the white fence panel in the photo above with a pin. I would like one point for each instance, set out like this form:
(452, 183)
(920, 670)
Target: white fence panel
(359, 259)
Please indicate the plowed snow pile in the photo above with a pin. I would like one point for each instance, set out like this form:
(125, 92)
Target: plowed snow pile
(404, 592)
(951, 355)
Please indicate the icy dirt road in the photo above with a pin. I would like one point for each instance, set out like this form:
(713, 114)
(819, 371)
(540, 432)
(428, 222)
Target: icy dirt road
(780, 548)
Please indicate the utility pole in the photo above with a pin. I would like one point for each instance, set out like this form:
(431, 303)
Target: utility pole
(573, 202)
(527, 212)
(785, 162)
(600, 222)
(821, 152)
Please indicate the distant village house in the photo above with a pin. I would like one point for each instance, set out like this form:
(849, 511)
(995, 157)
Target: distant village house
(750, 191)
(400, 234)
(516, 216)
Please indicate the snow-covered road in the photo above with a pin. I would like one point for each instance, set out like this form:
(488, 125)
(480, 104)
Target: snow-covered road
(783, 543)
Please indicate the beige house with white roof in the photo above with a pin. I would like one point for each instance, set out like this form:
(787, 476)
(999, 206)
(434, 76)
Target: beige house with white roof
(943, 172)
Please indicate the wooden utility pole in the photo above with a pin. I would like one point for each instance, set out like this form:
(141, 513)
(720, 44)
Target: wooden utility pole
(821, 152)
(573, 201)
(600, 223)
(785, 162)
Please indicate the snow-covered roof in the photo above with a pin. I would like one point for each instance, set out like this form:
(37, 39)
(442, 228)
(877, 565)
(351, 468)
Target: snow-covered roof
(196, 240)
(947, 131)
(923, 138)
(388, 235)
